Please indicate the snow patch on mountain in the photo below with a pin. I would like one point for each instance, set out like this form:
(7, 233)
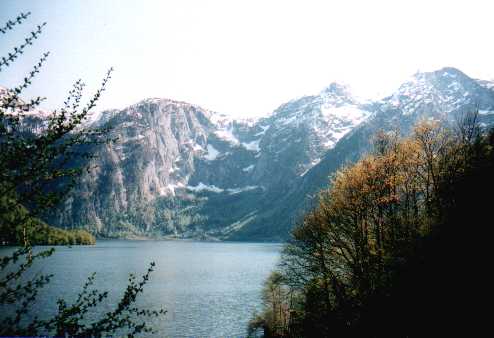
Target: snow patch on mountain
(336, 95)
(252, 146)
(248, 169)
(197, 147)
(169, 189)
(227, 135)
(444, 89)
(212, 154)
(212, 188)
(264, 129)
(346, 113)
(486, 84)
(337, 122)
(203, 187)
(310, 166)
(233, 191)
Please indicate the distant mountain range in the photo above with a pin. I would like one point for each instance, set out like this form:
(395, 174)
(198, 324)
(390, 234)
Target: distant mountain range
(182, 171)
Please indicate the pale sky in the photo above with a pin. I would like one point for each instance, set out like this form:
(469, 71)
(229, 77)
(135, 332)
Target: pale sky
(245, 58)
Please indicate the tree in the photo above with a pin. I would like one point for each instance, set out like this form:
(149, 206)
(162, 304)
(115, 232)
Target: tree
(37, 157)
(278, 301)
(385, 250)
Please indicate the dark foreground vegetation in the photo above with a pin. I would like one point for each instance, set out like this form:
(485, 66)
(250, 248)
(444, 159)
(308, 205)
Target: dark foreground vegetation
(34, 176)
(398, 246)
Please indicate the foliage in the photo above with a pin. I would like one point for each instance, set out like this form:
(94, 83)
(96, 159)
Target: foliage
(36, 153)
(47, 235)
(358, 259)
(70, 319)
(17, 225)
(279, 302)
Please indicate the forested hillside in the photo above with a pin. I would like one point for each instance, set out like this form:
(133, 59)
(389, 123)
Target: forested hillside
(396, 247)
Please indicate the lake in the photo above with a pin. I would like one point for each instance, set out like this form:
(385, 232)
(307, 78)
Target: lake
(210, 289)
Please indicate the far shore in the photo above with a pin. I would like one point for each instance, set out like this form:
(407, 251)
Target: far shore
(188, 239)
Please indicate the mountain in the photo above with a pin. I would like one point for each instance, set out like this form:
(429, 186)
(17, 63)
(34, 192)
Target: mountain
(182, 171)
(443, 95)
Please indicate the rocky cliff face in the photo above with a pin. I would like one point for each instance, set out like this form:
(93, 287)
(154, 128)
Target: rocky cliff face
(443, 95)
(182, 171)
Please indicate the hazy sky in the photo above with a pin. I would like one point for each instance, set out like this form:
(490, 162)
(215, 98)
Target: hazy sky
(245, 57)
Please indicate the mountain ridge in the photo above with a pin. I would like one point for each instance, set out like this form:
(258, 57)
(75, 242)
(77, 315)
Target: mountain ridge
(183, 171)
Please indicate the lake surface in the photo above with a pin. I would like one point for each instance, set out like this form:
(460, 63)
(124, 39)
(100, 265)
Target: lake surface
(210, 289)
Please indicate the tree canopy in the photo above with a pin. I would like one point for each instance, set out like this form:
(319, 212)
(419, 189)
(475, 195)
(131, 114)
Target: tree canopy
(380, 254)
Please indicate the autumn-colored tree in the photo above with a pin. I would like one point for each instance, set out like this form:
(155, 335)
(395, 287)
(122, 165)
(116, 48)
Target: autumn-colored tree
(378, 222)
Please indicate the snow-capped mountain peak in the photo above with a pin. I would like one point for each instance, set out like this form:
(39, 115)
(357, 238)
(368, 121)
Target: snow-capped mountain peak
(337, 95)
(444, 90)
(183, 170)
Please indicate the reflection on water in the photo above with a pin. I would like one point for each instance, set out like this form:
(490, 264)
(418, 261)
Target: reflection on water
(210, 289)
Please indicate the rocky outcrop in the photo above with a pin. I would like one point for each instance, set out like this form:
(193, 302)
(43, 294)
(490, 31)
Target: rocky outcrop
(179, 170)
